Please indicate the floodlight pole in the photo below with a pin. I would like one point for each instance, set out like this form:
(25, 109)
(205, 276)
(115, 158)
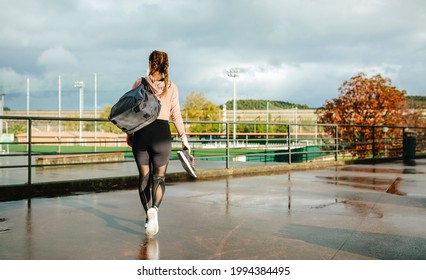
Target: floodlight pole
(80, 85)
(96, 109)
(59, 113)
(234, 73)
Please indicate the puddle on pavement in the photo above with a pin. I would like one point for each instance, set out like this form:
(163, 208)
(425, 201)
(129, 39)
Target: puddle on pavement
(359, 182)
(361, 208)
(371, 183)
(381, 170)
(3, 228)
(393, 189)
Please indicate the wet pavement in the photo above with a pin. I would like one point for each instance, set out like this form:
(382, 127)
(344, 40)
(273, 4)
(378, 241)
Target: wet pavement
(16, 176)
(344, 212)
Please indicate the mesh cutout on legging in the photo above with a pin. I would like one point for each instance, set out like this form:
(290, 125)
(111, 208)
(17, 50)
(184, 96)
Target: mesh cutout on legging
(145, 190)
(158, 189)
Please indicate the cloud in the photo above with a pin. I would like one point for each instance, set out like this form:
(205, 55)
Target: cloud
(9, 78)
(294, 51)
(57, 59)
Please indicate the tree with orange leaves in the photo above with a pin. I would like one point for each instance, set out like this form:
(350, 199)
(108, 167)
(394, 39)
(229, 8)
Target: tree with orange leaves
(364, 103)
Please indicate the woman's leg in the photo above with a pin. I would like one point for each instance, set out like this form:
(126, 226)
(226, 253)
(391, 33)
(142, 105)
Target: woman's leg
(160, 159)
(145, 180)
(159, 153)
(158, 186)
(158, 149)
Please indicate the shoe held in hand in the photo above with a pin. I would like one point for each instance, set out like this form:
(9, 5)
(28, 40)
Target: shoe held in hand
(187, 161)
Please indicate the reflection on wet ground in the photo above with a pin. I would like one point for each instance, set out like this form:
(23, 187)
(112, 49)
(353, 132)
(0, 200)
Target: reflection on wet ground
(150, 250)
(359, 207)
(372, 183)
(379, 184)
(331, 213)
(380, 181)
(381, 170)
(393, 189)
(3, 228)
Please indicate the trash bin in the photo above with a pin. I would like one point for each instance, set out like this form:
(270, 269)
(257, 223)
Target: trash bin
(409, 146)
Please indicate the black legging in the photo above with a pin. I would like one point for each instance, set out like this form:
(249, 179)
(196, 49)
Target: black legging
(151, 148)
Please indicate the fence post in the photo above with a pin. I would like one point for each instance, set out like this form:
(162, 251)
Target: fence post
(374, 141)
(289, 143)
(336, 143)
(227, 145)
(29, 150)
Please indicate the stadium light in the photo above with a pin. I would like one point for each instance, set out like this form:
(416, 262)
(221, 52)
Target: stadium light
(234, 73)
(80, 85)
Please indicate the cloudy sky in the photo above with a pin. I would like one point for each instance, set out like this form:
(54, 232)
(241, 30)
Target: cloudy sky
(297, 51)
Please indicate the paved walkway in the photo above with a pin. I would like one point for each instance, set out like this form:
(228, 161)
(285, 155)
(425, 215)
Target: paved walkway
(15, 176)
(347, 212)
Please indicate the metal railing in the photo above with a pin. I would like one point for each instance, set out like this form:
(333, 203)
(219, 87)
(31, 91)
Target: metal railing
(256, 143)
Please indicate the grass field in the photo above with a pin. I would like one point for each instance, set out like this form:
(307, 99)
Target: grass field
(261, 155)
(54, 150)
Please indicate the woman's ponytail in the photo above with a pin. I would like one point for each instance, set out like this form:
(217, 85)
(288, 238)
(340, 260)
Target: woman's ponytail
(160, 62)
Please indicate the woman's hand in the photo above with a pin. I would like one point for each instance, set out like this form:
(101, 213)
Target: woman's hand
(185, 145)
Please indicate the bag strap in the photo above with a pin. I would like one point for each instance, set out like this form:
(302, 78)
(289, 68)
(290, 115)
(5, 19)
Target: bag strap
(145, 85)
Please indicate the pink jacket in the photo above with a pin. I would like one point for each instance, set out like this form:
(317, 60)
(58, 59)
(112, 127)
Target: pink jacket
(170, 108)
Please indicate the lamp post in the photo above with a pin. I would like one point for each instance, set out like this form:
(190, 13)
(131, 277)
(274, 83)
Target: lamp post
(96, 109)
(1, 120)
(28, 98)
(59, 112)
(296, 128)
(80, 85)
(233, 73)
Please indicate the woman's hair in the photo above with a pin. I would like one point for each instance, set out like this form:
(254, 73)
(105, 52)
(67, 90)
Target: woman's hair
(160, 62)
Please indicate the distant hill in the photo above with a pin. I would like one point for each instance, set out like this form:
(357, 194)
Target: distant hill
(252, 104)
(416, 101)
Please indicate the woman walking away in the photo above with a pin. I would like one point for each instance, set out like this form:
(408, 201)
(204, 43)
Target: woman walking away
(152, 144)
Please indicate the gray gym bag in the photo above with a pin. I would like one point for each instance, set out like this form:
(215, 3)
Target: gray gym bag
(136, 109)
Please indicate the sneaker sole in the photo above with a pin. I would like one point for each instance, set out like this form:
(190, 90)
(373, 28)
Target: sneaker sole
(152, 227)
(186, 164)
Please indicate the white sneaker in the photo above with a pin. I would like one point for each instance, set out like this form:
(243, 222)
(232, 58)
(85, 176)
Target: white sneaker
(187, 161)
(152, 226)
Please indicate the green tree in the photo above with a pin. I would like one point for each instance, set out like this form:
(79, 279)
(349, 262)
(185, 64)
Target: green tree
(72, 125)
(108, 126)
(75, 125)
(415, 102)
(252, 104)
(17, 128)
(198, 108)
